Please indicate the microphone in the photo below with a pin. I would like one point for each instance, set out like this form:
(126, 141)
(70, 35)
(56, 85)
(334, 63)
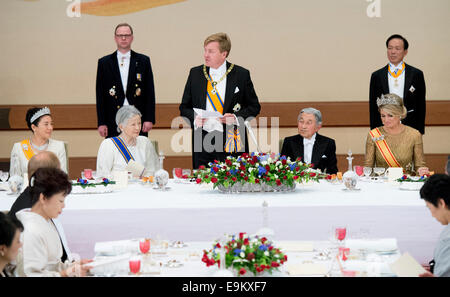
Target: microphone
(250, 130)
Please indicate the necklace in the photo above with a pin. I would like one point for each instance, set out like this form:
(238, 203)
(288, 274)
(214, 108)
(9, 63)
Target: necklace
(40, 148)
(214, 83)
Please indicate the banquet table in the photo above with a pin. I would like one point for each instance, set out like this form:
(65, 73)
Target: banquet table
(191, 212)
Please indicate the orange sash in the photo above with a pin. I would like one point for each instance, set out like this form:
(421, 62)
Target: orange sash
(26, 148)
(384, 148)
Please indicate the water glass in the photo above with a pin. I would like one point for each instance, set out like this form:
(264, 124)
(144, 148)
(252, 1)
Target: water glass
(367, 171)
(4, 175)
(135, 265)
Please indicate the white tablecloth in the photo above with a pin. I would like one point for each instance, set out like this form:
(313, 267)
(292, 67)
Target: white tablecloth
(191, 212)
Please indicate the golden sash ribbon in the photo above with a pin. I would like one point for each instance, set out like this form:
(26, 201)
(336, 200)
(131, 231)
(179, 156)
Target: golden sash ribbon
(384, 149)
(26, 148)
(233, 142)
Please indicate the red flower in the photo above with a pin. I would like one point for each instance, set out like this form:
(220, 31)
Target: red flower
(295, 177)
(285, 177)
(268, 179)
(218, 245)
(270, 248)
(246, 178)
(278, 182)
(225, 178)
(312, 174)
(241, 235)
(250, 256)
(274, 264)
(224, 167)
(256, 181)
(242, 271)
(234, 179)
(242, 167)
(228, 162)
(263, 240)
(328, 176)
(215, 169)
(283, 162)
(206, 176)
(201, 167)
(285, 257)
(297, 168)
(302, 173)
(267, 167)
(213, 180)
(244, 155)
(228, 173)
(255, 159)
(246, 241)
(217, 162)
(198, 180)
(299, 159)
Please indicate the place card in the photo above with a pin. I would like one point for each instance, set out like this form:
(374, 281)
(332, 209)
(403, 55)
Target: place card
(407, 266)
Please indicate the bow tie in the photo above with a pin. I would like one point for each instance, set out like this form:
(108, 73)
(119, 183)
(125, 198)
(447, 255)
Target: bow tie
(307, 141)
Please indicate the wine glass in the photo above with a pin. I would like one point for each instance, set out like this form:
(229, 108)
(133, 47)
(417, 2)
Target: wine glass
(340, 233)
(4, 176)
(186, 173)
(135, 265)
(367, 171)
(379, 170)
(144, 246)
(358, 170)
(177, 174)
(343, 253)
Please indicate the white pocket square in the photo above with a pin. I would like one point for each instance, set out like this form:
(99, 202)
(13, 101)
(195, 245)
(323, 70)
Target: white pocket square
(236, 90)
(323, 157)
(412, 89)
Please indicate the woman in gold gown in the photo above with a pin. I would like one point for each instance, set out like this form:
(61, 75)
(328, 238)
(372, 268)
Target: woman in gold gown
(404, 142)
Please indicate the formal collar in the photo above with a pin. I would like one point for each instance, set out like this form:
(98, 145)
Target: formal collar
(393, 67)
(127, 55)
(219, 71)
(312, 140)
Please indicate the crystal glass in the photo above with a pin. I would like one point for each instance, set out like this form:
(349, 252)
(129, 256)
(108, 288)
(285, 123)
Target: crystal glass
(4, 175)
(88, 173)
(144, 246)
(186, 173)
(343, 253)
(340, 232)
(177, 173)
(135, 265)
(367, 171)
(359, 170)
(379, 170)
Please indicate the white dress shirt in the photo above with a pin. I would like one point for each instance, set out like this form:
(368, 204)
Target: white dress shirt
(308, 145)
(124, 66)
(393, 89)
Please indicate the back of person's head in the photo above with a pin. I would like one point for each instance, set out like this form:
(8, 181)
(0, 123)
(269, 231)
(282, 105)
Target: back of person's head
(8, 228)
(48, 182)
(435, 188)
(44, 159)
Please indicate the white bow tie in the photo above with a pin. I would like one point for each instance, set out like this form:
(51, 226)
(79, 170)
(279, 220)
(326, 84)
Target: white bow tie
(308, 141)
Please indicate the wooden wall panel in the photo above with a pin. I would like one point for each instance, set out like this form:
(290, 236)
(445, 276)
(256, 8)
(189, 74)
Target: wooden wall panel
(335, 114)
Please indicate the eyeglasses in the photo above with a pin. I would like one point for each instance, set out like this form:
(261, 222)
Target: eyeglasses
(123, 35)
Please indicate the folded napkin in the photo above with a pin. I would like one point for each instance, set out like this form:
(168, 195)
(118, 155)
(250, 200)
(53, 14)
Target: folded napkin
(372, 245)
(371, 268)
(307, 269)
(114, 248)
(109, 265)
(295, 246)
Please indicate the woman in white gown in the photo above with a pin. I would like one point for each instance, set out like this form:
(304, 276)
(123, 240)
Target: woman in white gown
(42, 249)
(40, 122)
(128, 151)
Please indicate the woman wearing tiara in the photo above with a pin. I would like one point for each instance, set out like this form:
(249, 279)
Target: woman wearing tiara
(395, 144)
(128, 151)
(39, 121)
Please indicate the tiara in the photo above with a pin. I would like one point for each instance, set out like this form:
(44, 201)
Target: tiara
(39, 113)
(385, 100)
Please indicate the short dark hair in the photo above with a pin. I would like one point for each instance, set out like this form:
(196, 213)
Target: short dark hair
(123, 25)
(30, 114)
(8, 228)
(435, 188)
(398, 36)
(49, 181)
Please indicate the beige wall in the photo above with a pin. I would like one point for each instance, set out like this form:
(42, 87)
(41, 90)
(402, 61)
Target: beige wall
(296, 50)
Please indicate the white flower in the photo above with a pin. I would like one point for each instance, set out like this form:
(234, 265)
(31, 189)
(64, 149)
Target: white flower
(276, 176)
(242, 254)
(278, 163)
(264, 163)
(266, 253)
(243, 248)
(277, 256)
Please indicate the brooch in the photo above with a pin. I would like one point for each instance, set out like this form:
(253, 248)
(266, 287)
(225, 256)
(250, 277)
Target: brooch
(378, 138)
(237, 107)
(112, 91)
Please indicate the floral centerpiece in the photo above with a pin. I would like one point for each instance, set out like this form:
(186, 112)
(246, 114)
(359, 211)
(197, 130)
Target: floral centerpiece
(85, 183)
(246, 254)
(257, 172)
(414, 179)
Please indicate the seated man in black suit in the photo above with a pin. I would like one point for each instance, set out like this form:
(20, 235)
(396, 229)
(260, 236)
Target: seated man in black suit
(309, 145)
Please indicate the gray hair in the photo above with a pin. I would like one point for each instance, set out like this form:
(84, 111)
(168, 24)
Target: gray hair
(309, 110)
(125, 113)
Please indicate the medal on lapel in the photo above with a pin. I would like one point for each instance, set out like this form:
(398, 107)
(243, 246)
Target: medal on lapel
(139, 77)
(112, 91)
